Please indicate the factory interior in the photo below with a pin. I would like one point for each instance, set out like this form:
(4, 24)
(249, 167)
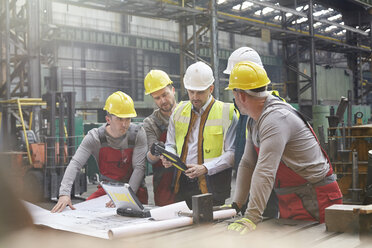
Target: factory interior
(61, 60)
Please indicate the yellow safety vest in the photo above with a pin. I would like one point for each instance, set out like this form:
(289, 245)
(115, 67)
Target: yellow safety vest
(214, 132)
(215, 128)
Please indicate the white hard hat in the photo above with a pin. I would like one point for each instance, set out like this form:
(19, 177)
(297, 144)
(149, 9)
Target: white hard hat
(242, 54)
(198, 76)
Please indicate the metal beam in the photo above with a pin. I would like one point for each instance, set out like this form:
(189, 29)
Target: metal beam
(314, 91)
(214, 47)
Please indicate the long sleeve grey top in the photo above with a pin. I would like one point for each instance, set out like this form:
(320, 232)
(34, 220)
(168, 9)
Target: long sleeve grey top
(91, 146)
(155, 125)
(281, 135)
(225, 161)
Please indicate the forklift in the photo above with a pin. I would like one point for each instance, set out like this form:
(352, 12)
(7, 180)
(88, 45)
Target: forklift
(39, 160)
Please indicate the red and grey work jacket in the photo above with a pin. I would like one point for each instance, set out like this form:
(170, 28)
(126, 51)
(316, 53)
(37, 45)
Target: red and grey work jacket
(300, 199)
(115, 165)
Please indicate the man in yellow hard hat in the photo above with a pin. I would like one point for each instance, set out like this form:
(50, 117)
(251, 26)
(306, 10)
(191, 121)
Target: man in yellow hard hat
(119, 148)
(202, 132)
(158, 84)
(281, 152)
(239, 55)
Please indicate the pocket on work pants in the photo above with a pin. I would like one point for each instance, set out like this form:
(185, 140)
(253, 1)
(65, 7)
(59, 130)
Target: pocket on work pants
(327, 195)
(291, 207)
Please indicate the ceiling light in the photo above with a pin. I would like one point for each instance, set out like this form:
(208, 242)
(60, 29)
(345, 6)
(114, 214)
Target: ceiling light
(246, 4)
(330, 28)
(335, 17)
(321, 12)
(267, 10)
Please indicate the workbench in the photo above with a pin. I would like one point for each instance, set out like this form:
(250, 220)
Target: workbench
(270, 233)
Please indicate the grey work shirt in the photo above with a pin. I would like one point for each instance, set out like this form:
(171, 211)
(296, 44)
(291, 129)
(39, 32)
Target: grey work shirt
(154, 126)
(91, 146)
(223, 162)
(281, 135)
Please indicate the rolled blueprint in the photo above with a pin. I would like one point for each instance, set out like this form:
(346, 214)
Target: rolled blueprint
(155, 226)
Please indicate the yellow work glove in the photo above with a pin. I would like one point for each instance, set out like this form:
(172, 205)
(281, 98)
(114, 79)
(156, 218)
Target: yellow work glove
(242, 226)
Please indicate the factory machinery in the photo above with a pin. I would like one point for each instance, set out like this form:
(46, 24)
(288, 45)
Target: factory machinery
(350, 151)
(37, 161)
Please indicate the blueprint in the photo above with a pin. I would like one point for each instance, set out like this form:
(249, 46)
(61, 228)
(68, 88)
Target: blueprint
(93, 218)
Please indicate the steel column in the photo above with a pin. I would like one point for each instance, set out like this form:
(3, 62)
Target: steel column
(214, 47)
(194, 34)
(314, 93)
(182, 38)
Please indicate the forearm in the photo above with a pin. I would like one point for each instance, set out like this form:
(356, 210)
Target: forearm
(243, 183)
(136, 178)
(77, 162)
(69, 177)
(139, 160)
(261, 187)
(151, 158)
(223, 162)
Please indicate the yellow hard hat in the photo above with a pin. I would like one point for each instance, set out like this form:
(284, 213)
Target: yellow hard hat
(247, 75)
(121, 105)
(156, 80)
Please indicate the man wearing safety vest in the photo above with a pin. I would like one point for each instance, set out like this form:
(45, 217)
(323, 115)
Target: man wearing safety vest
(158, 84)
(281, 151)
(119, 148)
(202, 132)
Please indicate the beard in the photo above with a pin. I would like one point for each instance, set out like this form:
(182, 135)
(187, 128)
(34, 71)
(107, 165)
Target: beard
(196, 103)
(166, 107)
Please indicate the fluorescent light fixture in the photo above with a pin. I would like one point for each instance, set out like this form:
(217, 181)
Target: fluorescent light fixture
(299, 8)
(321, 12)
(237, 7)
(317, 24)
(301, 20)
(267, 10)
(335, 17)
(330, 28)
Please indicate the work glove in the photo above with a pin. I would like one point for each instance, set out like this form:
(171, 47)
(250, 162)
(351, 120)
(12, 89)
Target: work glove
(154, 151)
(242, 226)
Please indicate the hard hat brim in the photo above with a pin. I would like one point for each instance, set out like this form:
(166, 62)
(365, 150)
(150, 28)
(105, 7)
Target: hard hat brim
(159, 88)
(126, 116)
(198, 88)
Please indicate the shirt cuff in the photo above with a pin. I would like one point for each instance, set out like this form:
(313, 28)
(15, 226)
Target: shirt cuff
(211, 166)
